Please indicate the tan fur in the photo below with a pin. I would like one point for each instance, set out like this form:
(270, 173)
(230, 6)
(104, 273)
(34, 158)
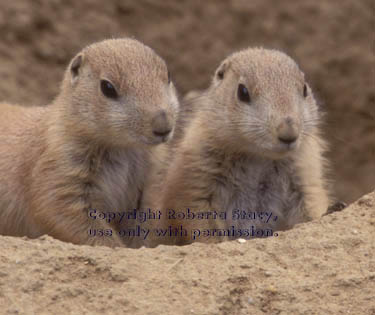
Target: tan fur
(231, 157)
(85, 150)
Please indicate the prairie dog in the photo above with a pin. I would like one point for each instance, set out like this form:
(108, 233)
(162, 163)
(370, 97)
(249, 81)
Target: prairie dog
(90, 148)
(252, 148)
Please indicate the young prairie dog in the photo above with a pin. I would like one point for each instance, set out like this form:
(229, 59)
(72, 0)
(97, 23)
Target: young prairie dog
(251, 158)
(90, 148)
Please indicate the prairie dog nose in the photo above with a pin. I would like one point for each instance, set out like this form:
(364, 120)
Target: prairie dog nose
(161, 126)
(287, 131)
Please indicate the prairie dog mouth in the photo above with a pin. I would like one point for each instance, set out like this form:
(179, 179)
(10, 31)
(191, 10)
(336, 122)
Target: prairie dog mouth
(280, 150)
(156, 138)
(285, 147)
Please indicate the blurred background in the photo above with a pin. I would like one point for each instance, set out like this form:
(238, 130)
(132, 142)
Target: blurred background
(332, 40)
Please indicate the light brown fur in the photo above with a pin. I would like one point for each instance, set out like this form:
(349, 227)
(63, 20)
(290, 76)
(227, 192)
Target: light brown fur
(231, 157)
(85, 150)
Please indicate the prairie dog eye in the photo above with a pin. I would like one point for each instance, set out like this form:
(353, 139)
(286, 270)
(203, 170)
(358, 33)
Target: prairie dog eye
(243, 94)
(305, 90)
(108, 89)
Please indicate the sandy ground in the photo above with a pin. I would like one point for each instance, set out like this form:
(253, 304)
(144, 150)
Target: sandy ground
(320, 267)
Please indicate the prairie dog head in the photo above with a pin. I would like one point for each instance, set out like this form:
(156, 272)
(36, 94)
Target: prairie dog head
(267, 105)
(119, 92)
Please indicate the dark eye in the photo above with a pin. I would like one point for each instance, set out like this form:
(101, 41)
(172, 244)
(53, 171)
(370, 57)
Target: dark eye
(243, 93)
(305, 90)
(169, 77)
(108, 89)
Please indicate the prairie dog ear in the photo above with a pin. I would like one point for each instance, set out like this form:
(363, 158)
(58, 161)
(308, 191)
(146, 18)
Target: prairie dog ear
(75, 68)
(221, 72)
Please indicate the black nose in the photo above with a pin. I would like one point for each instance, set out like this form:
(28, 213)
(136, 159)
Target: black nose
(161, 125)
(288, 139)
(288, 131)
(162, 133)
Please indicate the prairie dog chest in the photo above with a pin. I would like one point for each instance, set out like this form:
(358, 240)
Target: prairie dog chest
(120, 182)
(254, 187)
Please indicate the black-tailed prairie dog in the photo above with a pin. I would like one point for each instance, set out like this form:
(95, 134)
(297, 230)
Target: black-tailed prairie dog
(89, 149)
(251, 160)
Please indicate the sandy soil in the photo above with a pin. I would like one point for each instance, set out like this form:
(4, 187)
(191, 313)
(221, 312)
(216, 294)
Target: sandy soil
(321, 267)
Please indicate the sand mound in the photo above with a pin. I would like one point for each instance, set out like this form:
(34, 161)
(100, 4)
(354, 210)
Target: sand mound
(320, 267)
